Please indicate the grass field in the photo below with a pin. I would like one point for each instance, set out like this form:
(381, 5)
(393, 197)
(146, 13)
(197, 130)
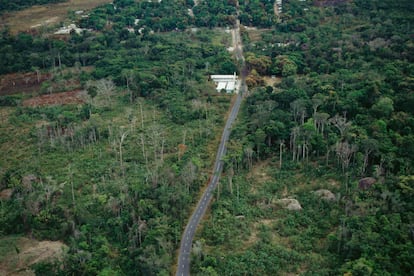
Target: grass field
(38, 16)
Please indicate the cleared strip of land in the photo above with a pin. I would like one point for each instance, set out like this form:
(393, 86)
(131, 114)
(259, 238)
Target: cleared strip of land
(36, 16)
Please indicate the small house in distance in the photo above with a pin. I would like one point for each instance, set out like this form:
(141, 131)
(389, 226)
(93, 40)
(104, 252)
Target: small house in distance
(225, 82)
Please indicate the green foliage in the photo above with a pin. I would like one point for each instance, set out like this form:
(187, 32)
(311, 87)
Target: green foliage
(10, 100)
(257, 13)
(384, 216)
(337, 111)
(120, 213)
(215, 13)
(348, 77)
(115, 177)
(47, 269)
(247, 233)
(21, 4)
(285, 66)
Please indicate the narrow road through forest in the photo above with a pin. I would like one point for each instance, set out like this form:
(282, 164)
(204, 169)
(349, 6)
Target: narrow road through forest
(183, 267)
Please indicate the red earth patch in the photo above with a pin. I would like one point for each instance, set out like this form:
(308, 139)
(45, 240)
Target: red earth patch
(22, 82)
(70, 97)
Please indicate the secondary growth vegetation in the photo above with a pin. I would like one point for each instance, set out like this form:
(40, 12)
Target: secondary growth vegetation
(318, 174)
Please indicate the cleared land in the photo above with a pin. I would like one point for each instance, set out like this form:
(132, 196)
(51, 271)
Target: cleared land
(45, 15)
(17, 254)
(22, 82)
(70, 97)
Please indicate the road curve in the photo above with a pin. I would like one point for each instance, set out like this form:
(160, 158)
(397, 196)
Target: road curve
(183, 268)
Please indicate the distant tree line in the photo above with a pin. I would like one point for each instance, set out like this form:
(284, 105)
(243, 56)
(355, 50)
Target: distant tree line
(6, 5)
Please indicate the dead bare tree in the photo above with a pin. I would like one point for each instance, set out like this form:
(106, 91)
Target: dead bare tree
(189, 175)
(299, 110)
(369, 146)
(121, 141)
(281, 145)
(320, 120)
(317, 100)
(294, 135)
(141, 114)
(341, 124)
(38, 73)
(142, 226)
(249, 154)
(306, 136)
(144, 154)
(157, 141)
(106, 89)
(345, 152)
(230, 175)
(114, 205)
(128, 75)
(70, 175)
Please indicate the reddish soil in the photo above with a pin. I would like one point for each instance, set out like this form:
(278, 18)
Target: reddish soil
(21, 83)
(6, 194)
(70, 97)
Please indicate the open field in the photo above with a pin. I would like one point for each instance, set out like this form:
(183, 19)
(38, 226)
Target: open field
(17, 254)
(45, 15)
(272, 81)
(255, 34)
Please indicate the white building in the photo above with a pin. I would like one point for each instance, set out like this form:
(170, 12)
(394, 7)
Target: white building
(68, 29)
(226, 82)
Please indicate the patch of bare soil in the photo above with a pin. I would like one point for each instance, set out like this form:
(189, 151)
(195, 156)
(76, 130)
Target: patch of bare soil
(254, 35)
(6, 194)
(255, 231)
(70, 97)
(23, 253)
(271, 81)
(45, 15)
(21, 82)
(334, 183)
(259, 174)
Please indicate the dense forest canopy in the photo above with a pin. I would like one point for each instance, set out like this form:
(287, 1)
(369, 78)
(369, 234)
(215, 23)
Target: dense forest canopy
(342, 111)
(363, 77)
(114, 176)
